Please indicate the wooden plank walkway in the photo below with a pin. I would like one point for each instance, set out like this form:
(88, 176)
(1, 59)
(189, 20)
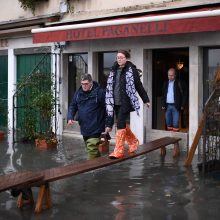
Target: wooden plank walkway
(19, 180)
(43, 178)
(54, 174)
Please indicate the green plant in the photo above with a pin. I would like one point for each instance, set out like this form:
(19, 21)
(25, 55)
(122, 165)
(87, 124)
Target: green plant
(49, 137)
(29, 4)
(39, 101)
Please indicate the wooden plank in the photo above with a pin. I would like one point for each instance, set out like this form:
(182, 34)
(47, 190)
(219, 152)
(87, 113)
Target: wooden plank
(213, 95)
(27, 179)
(195, 142)
(88, 165)
(19, 179)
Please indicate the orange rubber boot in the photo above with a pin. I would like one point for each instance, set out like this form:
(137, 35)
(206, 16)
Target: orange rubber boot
(131, 140)
(119, 146)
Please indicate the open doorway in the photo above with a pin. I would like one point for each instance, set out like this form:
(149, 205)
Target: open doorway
(163, 59)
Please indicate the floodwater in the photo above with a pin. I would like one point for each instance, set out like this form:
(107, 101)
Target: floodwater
(144, 188)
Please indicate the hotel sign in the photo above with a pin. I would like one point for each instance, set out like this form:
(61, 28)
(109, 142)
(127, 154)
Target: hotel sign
(191, 25)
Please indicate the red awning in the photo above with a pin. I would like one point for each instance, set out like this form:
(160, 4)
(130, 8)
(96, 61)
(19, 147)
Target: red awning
(171, 24)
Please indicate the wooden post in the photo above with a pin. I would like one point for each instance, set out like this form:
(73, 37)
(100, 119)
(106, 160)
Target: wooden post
(43, 195)
(176, 150)
(163, 151)
(21, 202)
(48, 197)
(194, 145)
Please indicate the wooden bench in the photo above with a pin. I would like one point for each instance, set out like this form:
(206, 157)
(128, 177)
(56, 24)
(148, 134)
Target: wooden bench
(19, 180)
(53, 174)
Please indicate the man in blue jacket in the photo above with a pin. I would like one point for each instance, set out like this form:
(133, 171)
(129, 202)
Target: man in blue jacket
(89, 102)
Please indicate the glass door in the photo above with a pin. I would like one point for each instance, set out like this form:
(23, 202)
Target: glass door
(211, 67)
(106, 61)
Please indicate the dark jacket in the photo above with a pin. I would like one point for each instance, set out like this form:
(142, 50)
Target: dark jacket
(180, 94)
(125, 100)
(91, 110)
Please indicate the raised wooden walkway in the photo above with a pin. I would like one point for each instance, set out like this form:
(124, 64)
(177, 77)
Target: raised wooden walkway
(43, 178)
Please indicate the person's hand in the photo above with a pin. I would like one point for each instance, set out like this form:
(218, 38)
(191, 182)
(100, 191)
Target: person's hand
(70, 122)
(108, 129)
(147, 104)
(163, 108)
(182, 108)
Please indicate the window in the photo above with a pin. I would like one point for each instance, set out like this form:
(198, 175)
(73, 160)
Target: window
(106, 61)
(211, 66)
(77, 65)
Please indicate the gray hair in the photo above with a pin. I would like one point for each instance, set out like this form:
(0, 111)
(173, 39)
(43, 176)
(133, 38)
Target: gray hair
(86, 76)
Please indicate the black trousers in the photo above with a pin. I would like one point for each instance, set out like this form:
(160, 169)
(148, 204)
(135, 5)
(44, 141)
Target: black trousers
(121, 117)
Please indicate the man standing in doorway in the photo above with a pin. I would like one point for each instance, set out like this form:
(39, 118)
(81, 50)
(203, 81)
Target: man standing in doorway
(174, 99)
(89, 102)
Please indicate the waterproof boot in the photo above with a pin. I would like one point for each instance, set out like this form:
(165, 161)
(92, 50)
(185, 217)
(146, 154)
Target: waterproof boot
(131, 140)
(92, 148)
(119, 146)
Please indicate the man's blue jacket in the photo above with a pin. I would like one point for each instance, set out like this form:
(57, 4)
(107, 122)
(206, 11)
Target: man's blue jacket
(91, 110)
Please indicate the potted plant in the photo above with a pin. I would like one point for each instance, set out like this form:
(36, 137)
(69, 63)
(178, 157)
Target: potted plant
(40, 109)
(43, 101)
(46, 140)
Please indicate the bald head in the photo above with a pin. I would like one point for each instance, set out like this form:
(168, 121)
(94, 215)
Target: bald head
(171, 74)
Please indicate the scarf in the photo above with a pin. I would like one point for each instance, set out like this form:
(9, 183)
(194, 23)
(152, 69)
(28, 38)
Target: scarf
(130, 90)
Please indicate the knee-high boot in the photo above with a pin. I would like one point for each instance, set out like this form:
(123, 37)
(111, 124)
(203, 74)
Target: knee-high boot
(131, 140)
(119, 146)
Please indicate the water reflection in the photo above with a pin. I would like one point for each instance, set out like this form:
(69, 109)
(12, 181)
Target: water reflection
(145, 187)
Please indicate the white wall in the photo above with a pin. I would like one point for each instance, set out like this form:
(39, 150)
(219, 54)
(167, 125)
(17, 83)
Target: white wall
(195, 88)
(18, 13)
(87, 9)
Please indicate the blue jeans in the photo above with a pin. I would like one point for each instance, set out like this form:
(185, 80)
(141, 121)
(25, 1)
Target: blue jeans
(172, 116)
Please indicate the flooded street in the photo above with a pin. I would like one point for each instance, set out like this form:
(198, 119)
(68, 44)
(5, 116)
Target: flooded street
(144, 188)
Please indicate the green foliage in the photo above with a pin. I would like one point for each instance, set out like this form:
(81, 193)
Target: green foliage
(29, 4)
(29, 127)
(39, 102)
(49, 136)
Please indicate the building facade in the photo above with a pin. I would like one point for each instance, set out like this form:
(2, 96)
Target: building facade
(86, 36)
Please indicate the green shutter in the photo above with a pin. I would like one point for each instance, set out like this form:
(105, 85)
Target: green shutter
(3, 90)
(26, 64)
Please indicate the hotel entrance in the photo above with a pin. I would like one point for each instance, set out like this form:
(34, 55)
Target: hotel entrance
(163, 59)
